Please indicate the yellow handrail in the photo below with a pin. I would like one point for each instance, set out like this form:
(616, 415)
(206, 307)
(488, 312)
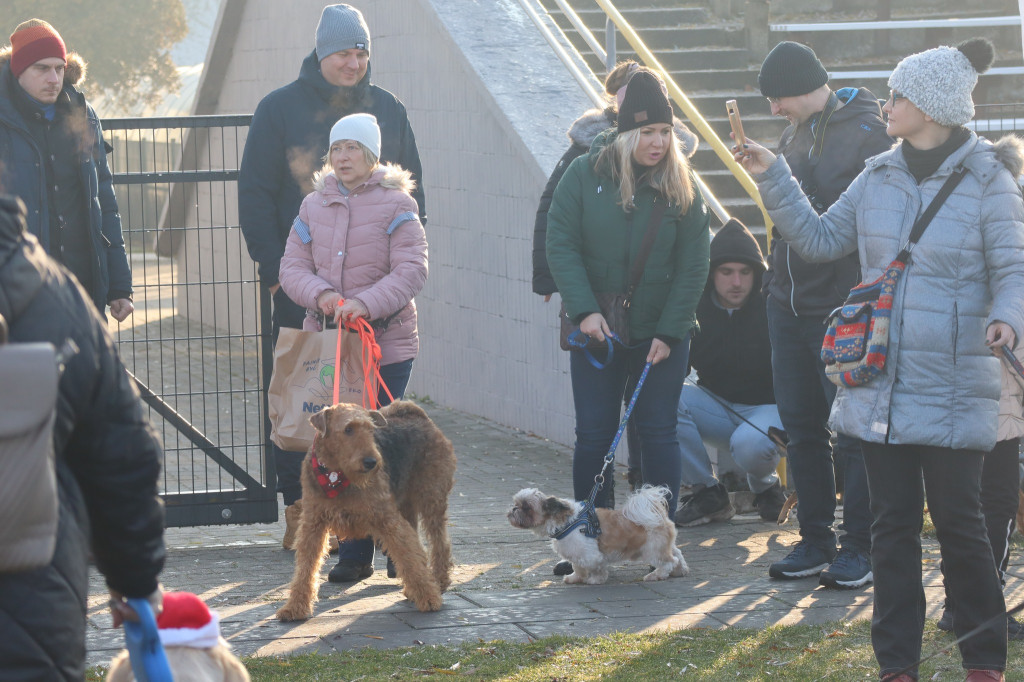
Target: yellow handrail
(688, 109)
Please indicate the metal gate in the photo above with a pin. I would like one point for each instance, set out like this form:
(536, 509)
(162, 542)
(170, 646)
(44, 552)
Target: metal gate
(199, 340)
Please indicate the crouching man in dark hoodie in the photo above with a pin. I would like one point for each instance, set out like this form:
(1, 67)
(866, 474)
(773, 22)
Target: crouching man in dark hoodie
(732, 406)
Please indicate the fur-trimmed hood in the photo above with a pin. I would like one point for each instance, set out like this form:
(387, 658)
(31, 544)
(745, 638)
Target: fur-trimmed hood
(388, 176)
(1009, 151)
(74, 74)
(587, 127)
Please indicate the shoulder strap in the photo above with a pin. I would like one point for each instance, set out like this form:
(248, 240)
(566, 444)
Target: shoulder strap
(919, 226)
(657, 212)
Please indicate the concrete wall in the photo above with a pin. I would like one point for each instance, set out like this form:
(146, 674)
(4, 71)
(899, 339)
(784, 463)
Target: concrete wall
(489, 104)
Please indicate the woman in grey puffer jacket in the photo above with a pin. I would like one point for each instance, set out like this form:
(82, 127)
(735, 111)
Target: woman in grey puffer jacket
(933, 412)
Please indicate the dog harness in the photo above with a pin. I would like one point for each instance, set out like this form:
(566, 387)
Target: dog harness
(587, 516)
(332, 482)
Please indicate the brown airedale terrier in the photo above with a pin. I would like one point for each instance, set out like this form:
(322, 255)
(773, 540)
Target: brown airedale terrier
(382, 474)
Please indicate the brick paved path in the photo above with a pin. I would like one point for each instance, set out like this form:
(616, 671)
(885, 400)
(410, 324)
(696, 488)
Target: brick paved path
(503, 587)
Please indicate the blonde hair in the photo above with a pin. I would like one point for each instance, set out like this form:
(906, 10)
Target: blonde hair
(670, 177)
(371, 160)
(369, 157)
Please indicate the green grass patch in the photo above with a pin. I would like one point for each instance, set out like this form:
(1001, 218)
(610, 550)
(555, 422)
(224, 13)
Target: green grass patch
(835, 652)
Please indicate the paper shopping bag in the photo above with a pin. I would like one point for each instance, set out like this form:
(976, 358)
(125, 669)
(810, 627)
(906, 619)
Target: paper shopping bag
(302, 383)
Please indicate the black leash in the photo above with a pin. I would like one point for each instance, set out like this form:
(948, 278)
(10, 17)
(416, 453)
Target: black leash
(775, 435)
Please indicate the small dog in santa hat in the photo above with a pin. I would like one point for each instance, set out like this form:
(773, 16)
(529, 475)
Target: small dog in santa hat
(196, 652)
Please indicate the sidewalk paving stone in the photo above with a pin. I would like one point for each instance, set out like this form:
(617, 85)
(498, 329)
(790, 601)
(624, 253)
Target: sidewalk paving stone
(503, 587)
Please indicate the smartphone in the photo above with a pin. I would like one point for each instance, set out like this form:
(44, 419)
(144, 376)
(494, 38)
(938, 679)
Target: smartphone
(733, 110)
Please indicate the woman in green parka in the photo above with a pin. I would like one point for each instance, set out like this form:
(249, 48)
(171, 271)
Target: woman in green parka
(598, 217)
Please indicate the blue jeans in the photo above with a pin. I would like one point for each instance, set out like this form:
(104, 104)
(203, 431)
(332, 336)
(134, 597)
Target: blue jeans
(702, 419)
(952, 482)
(597, 395)
(804, 397)
(396, 377)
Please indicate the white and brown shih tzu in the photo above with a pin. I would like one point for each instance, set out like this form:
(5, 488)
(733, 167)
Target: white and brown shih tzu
(640, 531)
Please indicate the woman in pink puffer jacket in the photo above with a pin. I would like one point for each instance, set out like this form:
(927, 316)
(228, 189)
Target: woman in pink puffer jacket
(358, 237)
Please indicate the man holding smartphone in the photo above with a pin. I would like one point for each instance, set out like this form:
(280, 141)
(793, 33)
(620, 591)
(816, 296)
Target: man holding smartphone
(830, 136)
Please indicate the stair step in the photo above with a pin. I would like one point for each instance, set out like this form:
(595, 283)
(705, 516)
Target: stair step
(638, 17)
(674, 37)
(685, 59)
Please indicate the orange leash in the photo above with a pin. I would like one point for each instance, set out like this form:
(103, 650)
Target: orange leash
(370, 356)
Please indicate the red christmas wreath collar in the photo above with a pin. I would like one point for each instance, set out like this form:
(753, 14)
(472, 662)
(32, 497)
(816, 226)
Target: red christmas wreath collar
(332, 482)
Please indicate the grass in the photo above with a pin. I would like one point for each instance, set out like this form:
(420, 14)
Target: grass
(835, 652)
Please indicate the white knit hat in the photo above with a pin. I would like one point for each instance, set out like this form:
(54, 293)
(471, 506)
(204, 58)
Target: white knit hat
(939, 81)
(362, 128)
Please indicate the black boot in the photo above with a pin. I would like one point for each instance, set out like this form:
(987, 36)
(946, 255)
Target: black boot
(349, 571)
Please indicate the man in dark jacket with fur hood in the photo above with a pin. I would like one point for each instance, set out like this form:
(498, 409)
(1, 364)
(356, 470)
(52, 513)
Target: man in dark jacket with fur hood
(287, 143)
(733, 404)
(107, 463)
(53, 156)
(831, 135)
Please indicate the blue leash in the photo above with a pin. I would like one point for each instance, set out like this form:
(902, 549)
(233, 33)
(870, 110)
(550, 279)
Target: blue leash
(146, 652)
(578, 340)
(587, 518)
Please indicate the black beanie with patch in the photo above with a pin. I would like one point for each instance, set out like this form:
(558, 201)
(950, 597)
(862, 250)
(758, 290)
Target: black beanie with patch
(645, 102)
(791, 70)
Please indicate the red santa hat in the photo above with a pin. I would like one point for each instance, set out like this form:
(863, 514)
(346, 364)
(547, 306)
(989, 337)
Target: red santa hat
(186, 621)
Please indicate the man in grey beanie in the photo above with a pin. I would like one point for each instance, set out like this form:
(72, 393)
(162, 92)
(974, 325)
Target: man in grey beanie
(830, 136)
(287, 141)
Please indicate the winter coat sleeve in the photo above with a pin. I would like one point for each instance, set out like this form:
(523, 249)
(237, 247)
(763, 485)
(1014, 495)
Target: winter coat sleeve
(543, 282)
(260, 178)
(115, 458)
(1002, 228)
(407, 251)
(565, 244)
(817, 239)
(692, 259)
(118, 270)
(298, 275)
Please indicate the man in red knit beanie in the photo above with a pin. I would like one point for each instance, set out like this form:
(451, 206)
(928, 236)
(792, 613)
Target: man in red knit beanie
(53, 156)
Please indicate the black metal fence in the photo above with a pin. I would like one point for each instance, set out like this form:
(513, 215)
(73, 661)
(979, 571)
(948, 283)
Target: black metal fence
(995, 120)
(199, 336)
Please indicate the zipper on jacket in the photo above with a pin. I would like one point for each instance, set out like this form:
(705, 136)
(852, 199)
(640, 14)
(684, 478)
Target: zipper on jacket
(956, 330)
(792, 282)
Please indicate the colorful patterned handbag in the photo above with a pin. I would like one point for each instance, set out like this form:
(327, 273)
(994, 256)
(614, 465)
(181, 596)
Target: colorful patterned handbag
(856, 343)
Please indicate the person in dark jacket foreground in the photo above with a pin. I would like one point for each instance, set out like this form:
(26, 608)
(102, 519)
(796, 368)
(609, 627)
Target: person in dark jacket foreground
(733, 359)
(107, 462)
(928, 418)
(590, 250)
(53, 156)
(286, 145)
(830, 136)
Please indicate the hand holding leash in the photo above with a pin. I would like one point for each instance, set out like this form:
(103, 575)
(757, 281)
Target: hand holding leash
(121, 609)
(659, 351)
(595, 326)
(999, 334)
(350, 310)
